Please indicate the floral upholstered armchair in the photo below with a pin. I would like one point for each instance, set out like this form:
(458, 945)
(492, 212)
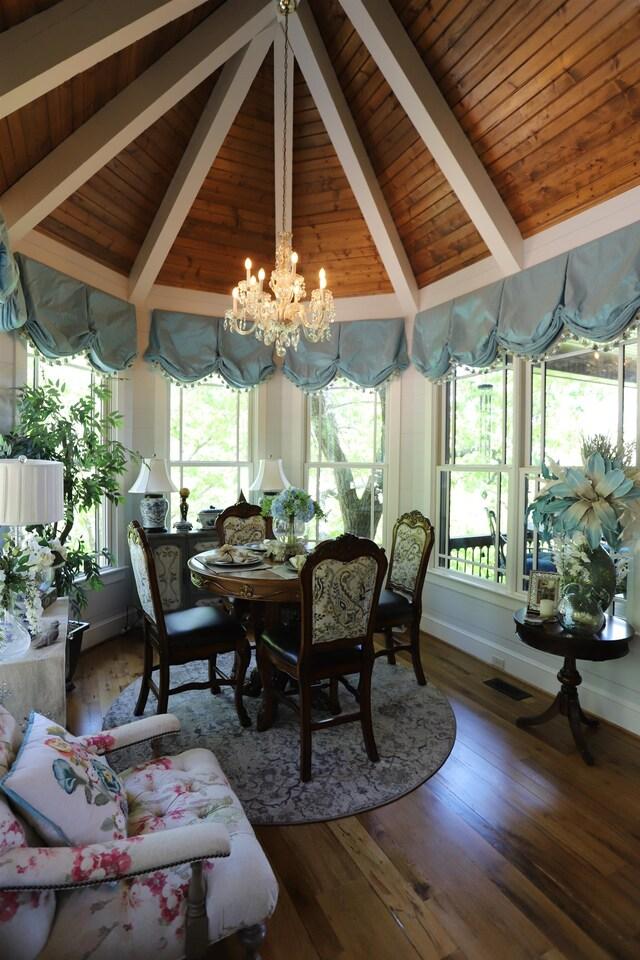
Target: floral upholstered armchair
(189, 871)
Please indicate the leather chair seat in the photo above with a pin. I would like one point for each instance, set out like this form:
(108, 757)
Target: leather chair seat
(201, 625)
(286, 643)
(392, 607)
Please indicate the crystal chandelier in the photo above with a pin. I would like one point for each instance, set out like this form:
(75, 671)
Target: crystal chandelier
(280, 316)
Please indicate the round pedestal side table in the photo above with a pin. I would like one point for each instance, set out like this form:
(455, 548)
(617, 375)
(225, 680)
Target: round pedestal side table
(611, 643)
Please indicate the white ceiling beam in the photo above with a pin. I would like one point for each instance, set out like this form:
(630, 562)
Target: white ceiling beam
(314, 61)
(128, 114)
(279, 130)
(223, 105)
(51, 47)
(404, 70)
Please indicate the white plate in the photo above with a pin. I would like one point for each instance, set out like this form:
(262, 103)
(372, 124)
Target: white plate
(236, 564)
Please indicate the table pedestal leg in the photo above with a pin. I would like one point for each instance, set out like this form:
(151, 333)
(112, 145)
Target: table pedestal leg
(567, 705)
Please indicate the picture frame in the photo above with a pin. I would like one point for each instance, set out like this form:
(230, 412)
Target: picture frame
(542, 586)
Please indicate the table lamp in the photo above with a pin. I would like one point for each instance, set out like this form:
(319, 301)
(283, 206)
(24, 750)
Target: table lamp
(154, 481)
(270, 477)
(31, 494)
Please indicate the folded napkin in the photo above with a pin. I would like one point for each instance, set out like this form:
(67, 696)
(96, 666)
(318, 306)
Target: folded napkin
(228, 553)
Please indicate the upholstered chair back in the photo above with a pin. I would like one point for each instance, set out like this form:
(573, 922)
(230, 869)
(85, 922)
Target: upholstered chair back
(144, 573)
(243, 523)
(341, 583)
(413, 537)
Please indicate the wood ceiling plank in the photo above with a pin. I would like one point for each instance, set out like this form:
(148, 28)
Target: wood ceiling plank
(321, 79)
(559, 96)
(66, 39)
(233, 215)
(438, 128)
(217, 117)
(557, 52)
(146, 99)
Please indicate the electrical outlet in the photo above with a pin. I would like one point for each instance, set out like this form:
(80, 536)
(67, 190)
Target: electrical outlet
(498, 662)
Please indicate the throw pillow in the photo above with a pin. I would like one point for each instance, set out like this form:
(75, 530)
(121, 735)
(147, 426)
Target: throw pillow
(68, 794)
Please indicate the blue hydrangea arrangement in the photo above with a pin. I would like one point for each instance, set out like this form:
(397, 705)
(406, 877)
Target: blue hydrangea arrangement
(292, 504)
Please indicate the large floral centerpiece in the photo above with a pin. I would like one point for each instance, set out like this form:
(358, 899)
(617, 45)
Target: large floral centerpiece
(291, 510)
(581, 509)
(23, 567)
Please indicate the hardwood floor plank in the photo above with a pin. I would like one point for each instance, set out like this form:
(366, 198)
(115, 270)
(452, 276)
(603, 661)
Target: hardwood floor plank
(514, 850)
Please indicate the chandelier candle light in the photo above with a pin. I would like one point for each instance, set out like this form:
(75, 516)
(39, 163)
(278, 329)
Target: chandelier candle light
(280, 319)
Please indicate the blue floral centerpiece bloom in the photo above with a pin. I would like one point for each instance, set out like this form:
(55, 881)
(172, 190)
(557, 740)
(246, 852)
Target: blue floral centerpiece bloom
(291, 510)
(581, 508)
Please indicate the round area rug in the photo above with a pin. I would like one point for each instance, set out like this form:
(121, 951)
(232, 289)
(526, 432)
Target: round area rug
(414, 728)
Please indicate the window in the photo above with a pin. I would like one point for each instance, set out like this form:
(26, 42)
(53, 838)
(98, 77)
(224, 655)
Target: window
(474, 478)
(498, 427)
(94, 527)
(346, 449)
(210, 445)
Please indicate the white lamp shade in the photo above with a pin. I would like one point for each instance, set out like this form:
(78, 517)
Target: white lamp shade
(31, 492)
(153, 478)
(270, 476)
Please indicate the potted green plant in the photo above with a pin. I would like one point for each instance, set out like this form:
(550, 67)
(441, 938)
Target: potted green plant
(80, 437)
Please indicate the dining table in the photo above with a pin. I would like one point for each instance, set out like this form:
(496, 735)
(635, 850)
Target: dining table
(269, 582)
(267, 586)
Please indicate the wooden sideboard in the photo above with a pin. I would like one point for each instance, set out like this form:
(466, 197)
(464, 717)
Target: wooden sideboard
(171, 552)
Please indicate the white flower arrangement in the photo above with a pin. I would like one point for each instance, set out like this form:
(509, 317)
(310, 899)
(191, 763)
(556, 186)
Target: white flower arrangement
(21, 570)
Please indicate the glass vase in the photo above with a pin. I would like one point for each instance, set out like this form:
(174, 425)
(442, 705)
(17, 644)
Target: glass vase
(290, 530)
(589, 593)
(15, 639)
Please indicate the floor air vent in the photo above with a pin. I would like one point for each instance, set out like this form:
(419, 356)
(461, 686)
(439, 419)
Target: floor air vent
(509, 690)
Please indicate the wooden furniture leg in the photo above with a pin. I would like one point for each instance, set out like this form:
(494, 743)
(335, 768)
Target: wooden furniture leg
(365, 712)
(243, 656)
(415, 654)
(146, 676)
(252, 939)
(388, 640)
(304, 691)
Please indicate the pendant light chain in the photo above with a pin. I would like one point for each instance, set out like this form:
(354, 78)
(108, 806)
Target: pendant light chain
(284, 120)
(280, 316)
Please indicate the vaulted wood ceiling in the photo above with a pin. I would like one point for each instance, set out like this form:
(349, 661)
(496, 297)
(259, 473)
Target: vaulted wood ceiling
(546, 91)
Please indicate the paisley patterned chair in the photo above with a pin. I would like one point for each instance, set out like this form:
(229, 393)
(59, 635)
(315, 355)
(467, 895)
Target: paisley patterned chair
(340, 584)
(400, 602)
(199, 633)
(189, 872)
(243, 523)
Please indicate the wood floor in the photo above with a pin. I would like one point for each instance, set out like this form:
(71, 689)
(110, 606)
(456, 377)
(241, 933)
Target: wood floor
(515, 849)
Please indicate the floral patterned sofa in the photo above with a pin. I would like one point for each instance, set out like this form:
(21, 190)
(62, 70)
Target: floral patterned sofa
(189, 872)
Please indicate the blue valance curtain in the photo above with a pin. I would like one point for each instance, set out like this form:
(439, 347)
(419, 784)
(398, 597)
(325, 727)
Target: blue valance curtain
(366, 352)
(13, 312)
(189, 347)
(65, 317)
(593, 292)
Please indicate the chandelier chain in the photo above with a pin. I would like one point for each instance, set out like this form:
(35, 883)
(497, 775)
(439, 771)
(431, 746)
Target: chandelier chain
(284, 120)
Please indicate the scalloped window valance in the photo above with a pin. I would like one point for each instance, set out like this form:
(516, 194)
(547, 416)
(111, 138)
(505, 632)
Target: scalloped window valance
(188, 347)
(593, 292)
(13, 312)
(65, 317)
(366, 352)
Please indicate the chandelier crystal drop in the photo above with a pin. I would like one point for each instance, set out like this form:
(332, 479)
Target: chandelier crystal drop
(278, 318)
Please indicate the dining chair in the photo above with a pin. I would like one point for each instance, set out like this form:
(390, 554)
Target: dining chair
(183, 636)
(339, 584)
(400, 603)
(243, 523)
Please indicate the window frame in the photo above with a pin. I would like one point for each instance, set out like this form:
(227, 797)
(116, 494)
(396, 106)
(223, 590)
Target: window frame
(253, 428)
(105, 533)
(512, 586)
(389, 466)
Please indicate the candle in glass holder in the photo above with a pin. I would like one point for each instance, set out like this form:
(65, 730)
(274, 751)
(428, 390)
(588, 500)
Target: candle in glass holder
(547, 609)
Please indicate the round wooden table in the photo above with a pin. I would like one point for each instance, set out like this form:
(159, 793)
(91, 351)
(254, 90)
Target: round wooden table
(260, 584)
(611, 643)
